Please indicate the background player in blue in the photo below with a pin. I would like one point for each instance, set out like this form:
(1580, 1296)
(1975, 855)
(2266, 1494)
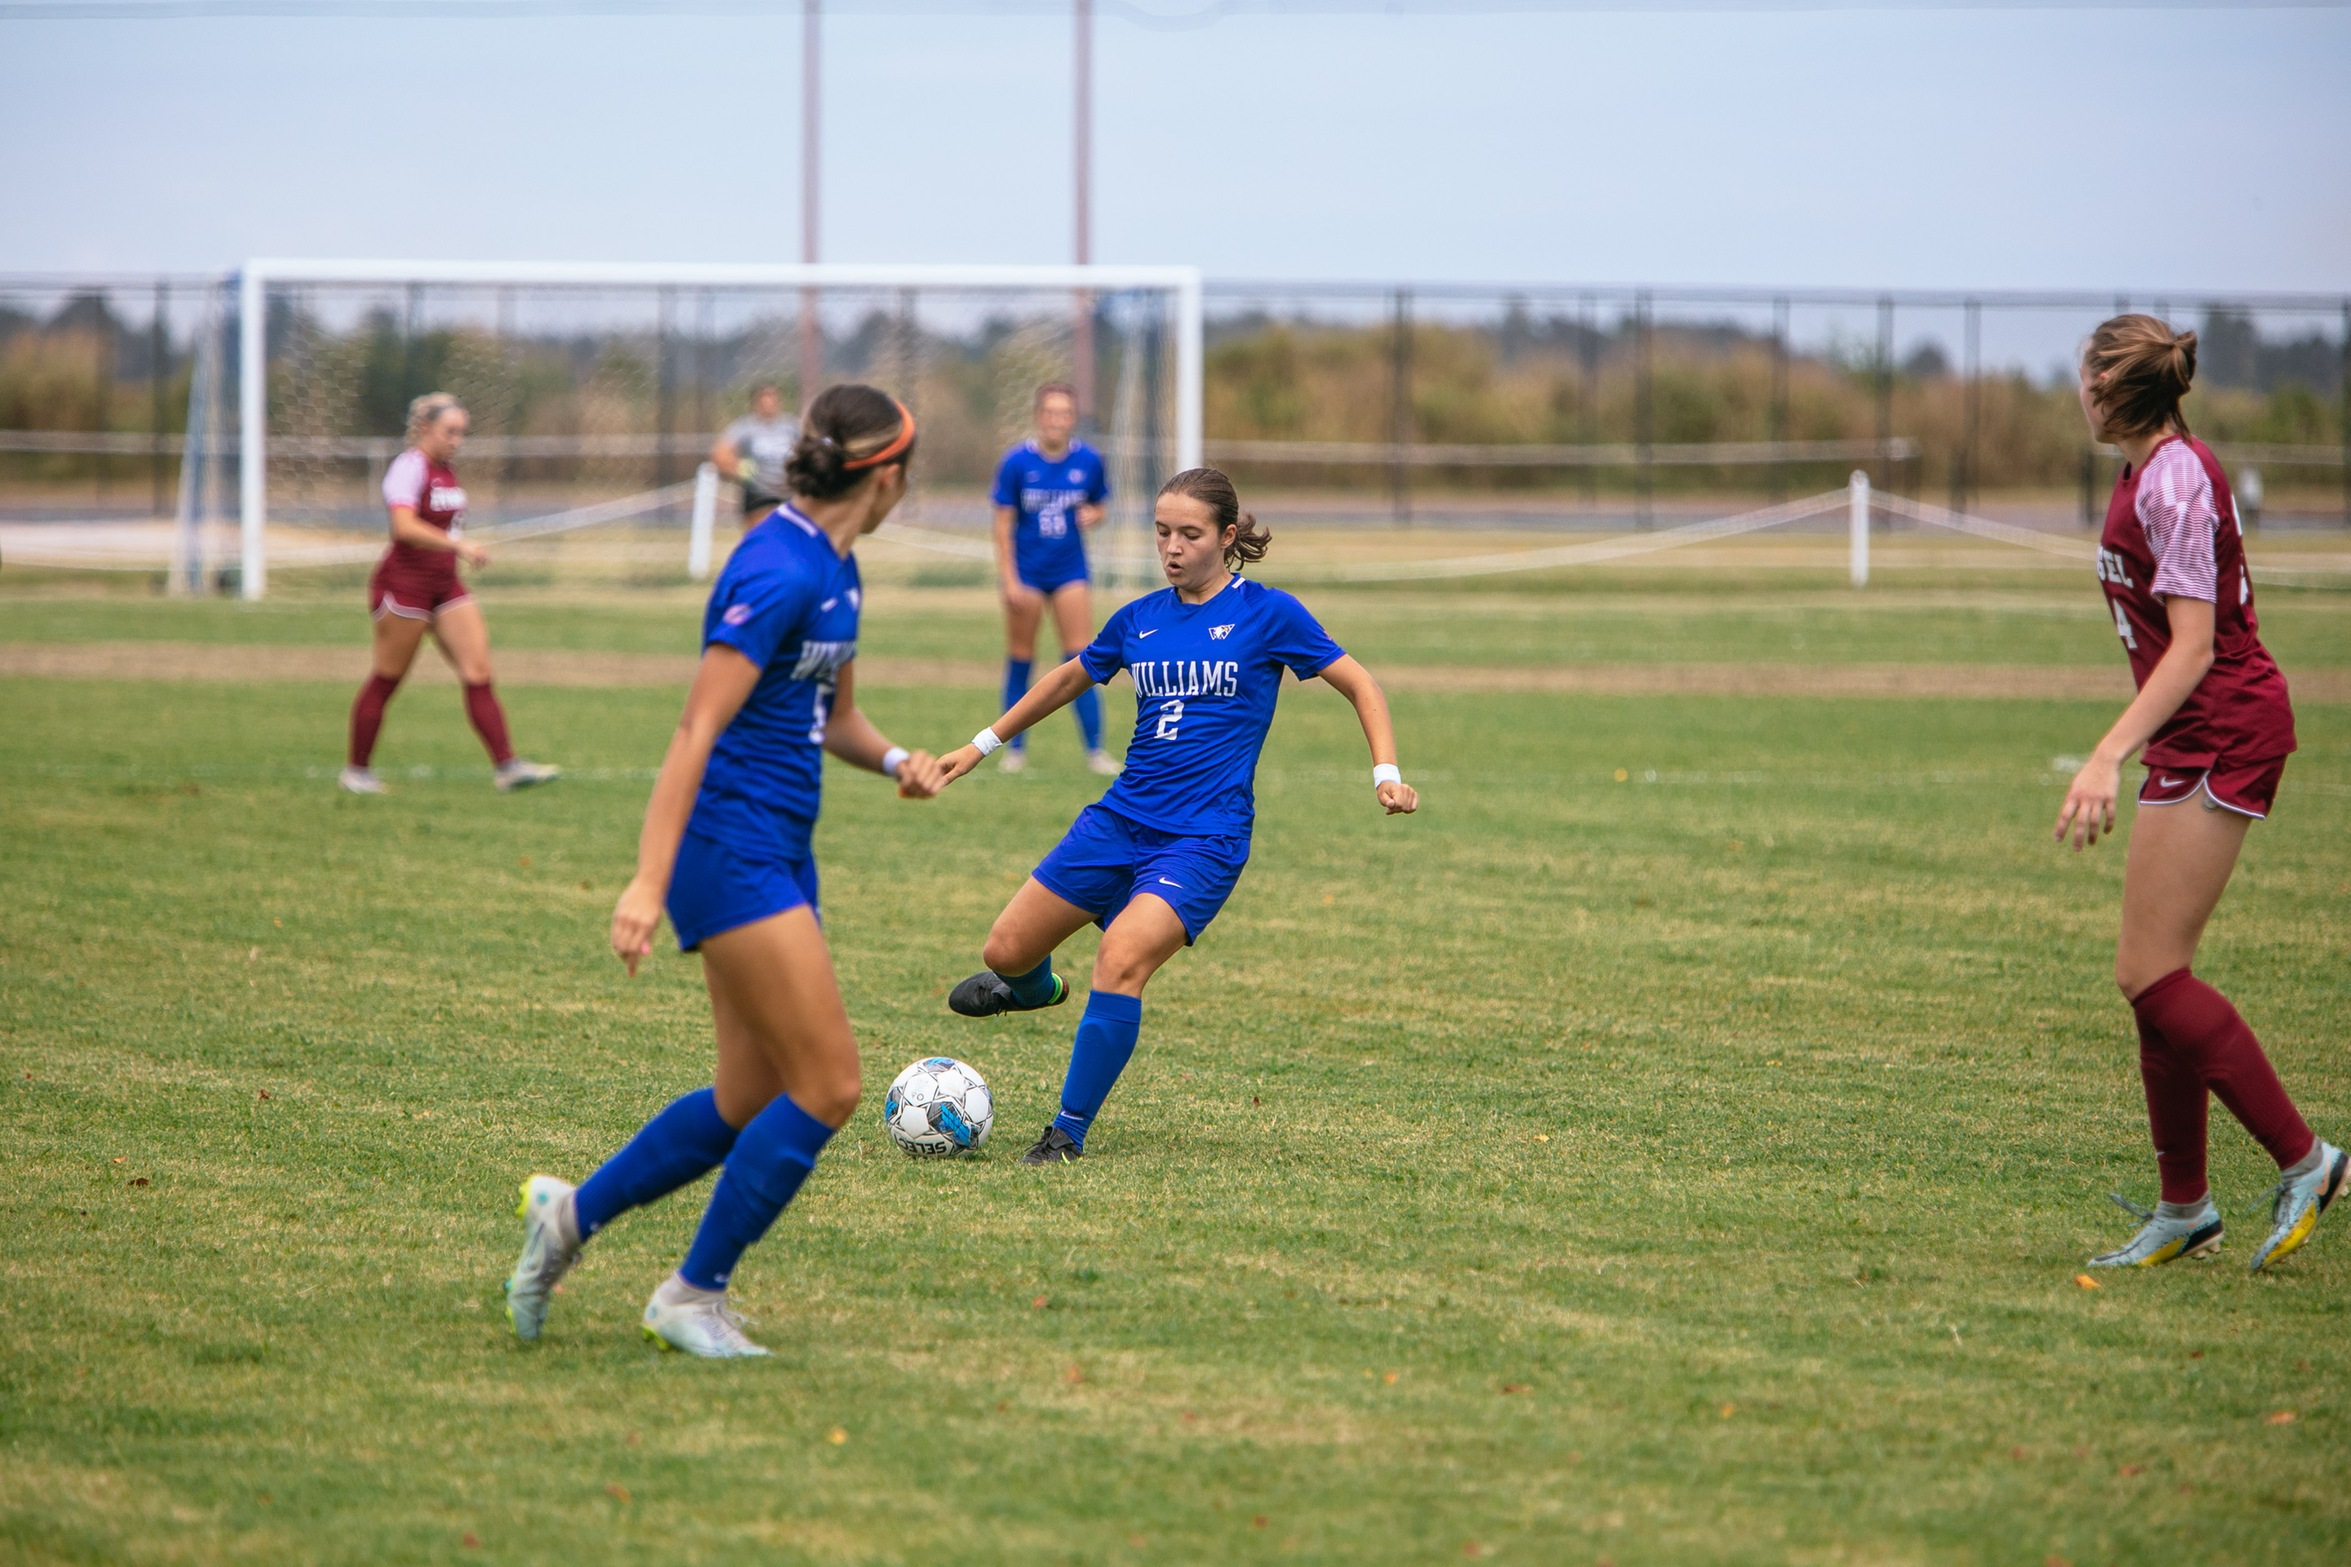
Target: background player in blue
(1049, 491)
(726, 847)
(1157, 856)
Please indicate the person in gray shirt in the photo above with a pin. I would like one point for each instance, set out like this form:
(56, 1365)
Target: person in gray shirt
(753, 450)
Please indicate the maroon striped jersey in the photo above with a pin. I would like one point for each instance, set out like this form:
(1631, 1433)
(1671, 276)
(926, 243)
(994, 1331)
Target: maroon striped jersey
(2172, 532)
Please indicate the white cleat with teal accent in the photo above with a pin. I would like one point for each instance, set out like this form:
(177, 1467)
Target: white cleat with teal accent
(550, 1245)
(2161, 1240)
(699, 1323)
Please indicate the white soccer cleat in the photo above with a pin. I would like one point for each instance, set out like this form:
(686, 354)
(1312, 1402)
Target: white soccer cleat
(2161, 1240)
(2296, 1202)
(1102, 762)
(1013, 761)
(522, 772)
(550, 1245)
(359, 780)
(701, 1324)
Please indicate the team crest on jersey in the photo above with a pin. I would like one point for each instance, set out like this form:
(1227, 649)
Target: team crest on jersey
(1077, 475)
(737, 615)
(1219, 633)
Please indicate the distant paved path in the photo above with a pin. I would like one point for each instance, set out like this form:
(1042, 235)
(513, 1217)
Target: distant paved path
(346, 665)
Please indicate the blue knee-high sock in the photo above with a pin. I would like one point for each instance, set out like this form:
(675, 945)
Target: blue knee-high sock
(1016, 686)
(683, 1143)
(1088, 707)
(1034, 988)
(1106, 1039)
(771, 1157)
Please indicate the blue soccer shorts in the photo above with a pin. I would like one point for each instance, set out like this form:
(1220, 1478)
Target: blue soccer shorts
(1105, 860)
(1050, 569)
(716, 888)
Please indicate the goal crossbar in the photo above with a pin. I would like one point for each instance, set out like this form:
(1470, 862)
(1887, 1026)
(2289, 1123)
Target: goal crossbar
(255, 278)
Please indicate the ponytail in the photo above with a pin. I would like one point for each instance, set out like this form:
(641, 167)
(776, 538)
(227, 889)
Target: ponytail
(2139, 369)
(849, 430)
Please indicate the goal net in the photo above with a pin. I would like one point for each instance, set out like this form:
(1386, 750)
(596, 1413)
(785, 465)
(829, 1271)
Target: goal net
(595, 394)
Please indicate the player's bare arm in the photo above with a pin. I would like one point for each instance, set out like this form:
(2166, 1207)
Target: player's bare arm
(722, 684)
(853, 737)
(410, 529)
(1009, 587)
(2088, 811)
(1047, 697)
(1354, 682)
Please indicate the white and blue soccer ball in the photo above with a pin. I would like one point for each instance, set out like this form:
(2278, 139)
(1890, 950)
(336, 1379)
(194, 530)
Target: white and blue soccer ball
(938, 1108)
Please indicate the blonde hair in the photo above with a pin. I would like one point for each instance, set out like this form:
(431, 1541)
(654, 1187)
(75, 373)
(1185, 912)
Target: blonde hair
(426, 411)
(2139, 369)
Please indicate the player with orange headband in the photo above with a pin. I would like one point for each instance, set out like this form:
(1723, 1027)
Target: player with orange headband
(726, 849)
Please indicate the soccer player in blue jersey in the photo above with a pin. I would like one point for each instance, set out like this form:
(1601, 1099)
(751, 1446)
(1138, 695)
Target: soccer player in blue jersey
(1154, 860)
(1049, 491)
(726, 848)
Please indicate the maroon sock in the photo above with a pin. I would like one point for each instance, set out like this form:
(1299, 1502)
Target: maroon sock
(2175, 1113)
(489, 721)
(367, 716)
(2204, 1031)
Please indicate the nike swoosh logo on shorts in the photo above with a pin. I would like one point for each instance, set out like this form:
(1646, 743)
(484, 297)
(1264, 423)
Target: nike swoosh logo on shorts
(1164, 882)
(2167, 783)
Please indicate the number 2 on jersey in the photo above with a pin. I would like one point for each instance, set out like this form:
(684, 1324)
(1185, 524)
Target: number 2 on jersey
(1169, 716)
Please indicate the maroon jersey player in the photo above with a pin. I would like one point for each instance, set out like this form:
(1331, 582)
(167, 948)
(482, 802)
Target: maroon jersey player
(2214, 727)
(415, 588)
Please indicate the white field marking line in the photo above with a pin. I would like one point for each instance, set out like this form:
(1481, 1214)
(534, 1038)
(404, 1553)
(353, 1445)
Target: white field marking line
(1573, 554)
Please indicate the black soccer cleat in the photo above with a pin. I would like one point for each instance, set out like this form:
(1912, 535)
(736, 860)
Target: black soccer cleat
(985, 994)
(1055, 1147)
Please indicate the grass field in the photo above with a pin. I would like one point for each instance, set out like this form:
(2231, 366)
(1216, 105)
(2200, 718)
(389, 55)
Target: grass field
(1687, 1168)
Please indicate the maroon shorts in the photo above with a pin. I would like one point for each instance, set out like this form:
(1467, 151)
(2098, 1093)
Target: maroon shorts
(413, 594)
(2248, 788)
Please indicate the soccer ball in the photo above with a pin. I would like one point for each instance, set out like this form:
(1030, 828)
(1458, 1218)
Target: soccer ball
(938, 1108)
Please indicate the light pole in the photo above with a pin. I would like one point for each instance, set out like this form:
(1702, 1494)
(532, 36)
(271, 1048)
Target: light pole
(1082, 348)
(811, 166)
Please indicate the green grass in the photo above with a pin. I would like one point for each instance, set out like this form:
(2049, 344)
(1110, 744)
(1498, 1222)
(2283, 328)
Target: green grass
(2068, 626)
(1687, 1169)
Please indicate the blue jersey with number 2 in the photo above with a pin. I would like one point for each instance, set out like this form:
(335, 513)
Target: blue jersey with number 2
(1206, 676)
(787, 601)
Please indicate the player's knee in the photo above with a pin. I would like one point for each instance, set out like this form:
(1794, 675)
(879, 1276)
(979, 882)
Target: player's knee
(1121, 969)
(1003, 952)
(834, 1097)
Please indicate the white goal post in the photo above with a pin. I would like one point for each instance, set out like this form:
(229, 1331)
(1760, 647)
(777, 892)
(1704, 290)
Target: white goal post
(256, 279)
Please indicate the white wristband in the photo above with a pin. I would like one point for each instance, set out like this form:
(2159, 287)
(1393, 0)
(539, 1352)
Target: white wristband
(985, 742)
(1385, 773)
(890, 760)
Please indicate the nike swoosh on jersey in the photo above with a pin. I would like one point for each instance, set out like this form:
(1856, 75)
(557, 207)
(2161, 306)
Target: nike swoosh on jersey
(1140, 635)
(827, 604)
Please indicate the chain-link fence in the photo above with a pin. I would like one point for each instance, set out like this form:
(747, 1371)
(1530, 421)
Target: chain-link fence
(1615, 406)
(1598, 407)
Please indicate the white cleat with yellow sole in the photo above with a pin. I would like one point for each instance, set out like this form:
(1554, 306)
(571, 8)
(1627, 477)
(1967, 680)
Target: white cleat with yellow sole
(2161, 1239)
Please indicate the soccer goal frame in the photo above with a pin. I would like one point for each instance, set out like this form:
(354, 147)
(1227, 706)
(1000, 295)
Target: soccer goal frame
(255, 278)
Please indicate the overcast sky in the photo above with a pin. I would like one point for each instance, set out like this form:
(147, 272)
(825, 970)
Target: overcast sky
(2183, 149)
